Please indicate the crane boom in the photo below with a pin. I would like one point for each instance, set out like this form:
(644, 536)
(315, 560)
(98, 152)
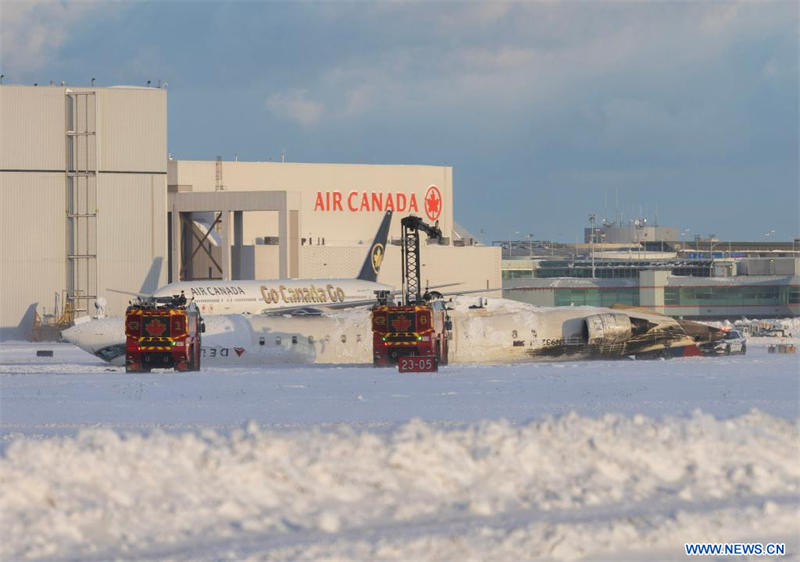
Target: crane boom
(412, 224)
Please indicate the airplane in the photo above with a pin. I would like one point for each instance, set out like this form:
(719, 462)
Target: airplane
(293, 296)
(286, 295)
(492, 331)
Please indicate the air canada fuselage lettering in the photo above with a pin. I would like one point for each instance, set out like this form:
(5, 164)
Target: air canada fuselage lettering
(216, 291)
(214, 352)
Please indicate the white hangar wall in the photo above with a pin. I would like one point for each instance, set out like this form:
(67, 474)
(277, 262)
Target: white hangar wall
(341, 208)
(342, 203)
(82, 174)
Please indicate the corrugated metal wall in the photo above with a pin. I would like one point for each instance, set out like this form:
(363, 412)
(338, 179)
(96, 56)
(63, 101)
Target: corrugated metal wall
(132, 235)
(131, 207)
(131, 126)
(32, 247)
(32, 130)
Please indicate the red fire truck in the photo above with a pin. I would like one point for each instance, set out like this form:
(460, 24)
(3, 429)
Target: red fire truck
(411, 331)
(162, 333)
(412, 335)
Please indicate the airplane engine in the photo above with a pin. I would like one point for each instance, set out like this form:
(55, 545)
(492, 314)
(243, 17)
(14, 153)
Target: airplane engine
(605, 329)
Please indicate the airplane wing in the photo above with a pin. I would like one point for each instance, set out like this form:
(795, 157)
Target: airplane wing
(131, 293)
(442, 286)
(470, 292)
(314, 310)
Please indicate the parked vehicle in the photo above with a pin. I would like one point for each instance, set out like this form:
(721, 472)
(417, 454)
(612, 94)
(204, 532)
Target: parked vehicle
(733, 342)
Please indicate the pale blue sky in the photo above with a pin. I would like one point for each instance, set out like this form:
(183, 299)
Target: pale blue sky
(541, 108)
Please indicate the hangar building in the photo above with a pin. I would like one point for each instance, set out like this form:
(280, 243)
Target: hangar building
(83, 180)
(92, 202)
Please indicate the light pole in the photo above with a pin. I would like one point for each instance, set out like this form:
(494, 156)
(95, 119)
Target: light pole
(683, 235)
(529, 236)
(767, 239)
(509, 243)
(592, 219)
(711, 257)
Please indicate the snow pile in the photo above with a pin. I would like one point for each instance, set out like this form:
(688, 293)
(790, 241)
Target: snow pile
(106, 492)
(622, 535)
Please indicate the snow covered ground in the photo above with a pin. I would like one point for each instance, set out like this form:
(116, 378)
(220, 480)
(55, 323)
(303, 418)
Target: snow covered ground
(622, 460)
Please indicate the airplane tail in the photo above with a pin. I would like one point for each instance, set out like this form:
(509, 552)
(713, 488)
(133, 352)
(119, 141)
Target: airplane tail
(377, 251)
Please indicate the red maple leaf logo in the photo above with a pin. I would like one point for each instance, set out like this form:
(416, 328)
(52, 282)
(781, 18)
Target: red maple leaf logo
(155, 327)
(433, 203)
(401, 323)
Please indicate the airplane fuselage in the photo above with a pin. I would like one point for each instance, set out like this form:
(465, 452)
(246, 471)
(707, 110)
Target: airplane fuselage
(505, 331)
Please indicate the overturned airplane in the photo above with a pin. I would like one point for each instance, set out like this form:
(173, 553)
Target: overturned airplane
(485, 330)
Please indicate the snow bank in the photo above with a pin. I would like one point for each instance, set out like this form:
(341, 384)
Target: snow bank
(106, 492)
(639, 535)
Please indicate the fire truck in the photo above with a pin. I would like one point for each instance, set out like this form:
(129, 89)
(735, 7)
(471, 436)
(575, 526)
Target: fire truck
(412, 335)
(162, 332)
(413, 331)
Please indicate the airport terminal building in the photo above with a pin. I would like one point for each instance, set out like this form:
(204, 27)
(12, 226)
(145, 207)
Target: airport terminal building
(93, 202)
(695, 288)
